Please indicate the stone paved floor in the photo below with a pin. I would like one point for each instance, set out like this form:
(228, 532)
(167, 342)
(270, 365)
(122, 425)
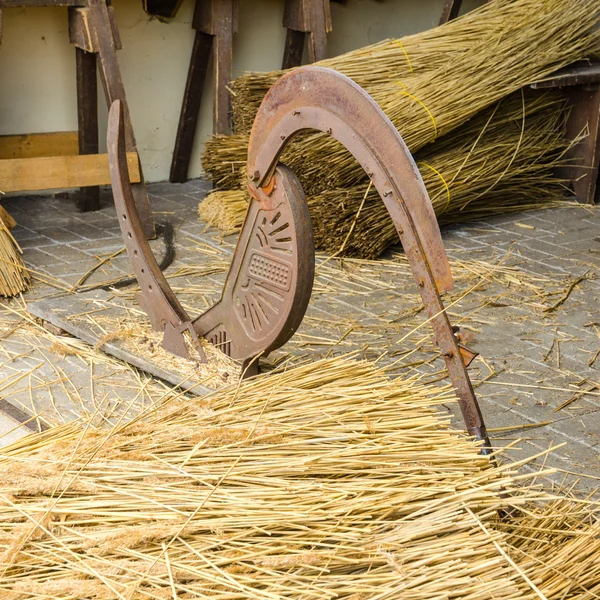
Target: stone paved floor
(532, 360)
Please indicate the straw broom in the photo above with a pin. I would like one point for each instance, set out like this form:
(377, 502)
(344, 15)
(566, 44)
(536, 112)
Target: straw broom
(538, 39)
(500, 161)
(327, 480)
(14, 277)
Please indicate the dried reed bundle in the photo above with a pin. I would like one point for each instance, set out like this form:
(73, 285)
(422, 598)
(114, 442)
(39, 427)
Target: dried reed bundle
(537, 39)
(500, 161)
(326, 480)
(14, 277)
(386, 60)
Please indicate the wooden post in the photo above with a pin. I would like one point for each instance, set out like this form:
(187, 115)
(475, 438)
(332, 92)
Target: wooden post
(87, 198)
(584, 118)
(101, 34)
(450, 10)
(190, 108)
(294, 49)
(215, 22)
(223, 24)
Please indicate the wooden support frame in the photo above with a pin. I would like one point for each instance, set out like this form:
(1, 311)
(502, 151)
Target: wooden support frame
(94, 33)
(450, 10)
(215, 23)
(581, 85)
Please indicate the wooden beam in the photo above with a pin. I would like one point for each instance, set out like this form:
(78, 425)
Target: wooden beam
(58, 172)
(450, 10)
(99, 21)
(35, 145)
(190, 108)
(88, 198)
(294, 49)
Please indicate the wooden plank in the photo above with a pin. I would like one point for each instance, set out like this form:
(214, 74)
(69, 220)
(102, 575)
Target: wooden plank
(88, 198)
(581, 73)
(57, 310)
(35, 145)
(83, 36)
(190, 108)
(57, 172)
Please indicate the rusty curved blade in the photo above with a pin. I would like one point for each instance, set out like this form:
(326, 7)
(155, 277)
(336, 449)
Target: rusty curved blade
(322, 99)
(318, 98)
(158, 300)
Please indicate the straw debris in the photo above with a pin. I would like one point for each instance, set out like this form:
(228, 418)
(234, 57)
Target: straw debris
(329, 508)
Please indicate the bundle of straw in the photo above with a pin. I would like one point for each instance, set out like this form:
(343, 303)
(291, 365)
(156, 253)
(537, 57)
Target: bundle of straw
(389, 59)
(500, 161)
(324, 481)
(528, 44)
(14, 277)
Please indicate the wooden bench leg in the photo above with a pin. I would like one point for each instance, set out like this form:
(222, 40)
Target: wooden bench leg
(450, 10)
(114, 90)
(190, 109)
(294, 49)
(87, 198)
(585, 156)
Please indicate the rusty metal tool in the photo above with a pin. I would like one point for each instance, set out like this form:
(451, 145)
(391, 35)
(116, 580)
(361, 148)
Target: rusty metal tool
(270, 279)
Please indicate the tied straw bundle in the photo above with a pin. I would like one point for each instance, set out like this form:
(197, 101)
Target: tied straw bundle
(324, 481)
(529, 41)
(500, 161)
(386, 60)
(14, 277)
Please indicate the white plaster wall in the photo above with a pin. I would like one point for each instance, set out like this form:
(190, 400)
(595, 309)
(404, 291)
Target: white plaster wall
(37, 64)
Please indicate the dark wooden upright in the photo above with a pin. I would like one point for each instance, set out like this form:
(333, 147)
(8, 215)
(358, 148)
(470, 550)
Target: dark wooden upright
(450, 10)
(581, 85)
(215, 23)
(303, 18)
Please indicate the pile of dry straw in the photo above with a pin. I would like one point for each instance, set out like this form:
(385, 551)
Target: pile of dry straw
(327, 480)
(14, 277)
(476, 62)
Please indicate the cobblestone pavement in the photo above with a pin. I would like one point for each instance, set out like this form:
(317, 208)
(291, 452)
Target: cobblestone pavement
(537, 375)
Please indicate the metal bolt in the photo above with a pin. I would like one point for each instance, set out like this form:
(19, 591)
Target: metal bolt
(255, 176)
(296, 112)
(421, 283)
(449, 354)
(400, 231)
(282, 136)
(329, 130)
(387, 192)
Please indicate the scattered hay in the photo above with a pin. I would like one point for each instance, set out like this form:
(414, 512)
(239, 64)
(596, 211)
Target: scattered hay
(333, 481)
